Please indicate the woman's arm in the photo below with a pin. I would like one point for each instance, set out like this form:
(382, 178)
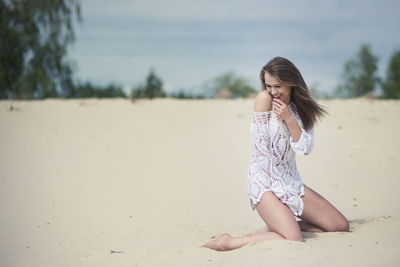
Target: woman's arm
(301, 140)
(294, 127)
(282, 110)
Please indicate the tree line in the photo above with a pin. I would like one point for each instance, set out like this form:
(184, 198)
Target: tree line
(34, 39)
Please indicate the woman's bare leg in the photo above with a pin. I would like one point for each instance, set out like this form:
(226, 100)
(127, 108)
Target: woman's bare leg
(319, 211)
(304, 227)
(276, 215)
(263, 230)
(322, 214)
(318, 216)
(307, 227)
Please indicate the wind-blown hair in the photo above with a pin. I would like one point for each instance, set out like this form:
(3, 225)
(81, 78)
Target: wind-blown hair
(287, 74)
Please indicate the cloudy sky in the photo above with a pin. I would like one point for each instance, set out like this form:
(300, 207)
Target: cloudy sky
(189, 42)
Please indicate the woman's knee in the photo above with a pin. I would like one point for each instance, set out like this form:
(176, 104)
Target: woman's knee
(340, 225)
(294, 237)
(343, 225)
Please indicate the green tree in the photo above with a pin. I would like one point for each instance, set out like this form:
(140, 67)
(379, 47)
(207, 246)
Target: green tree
(86, 90)
(359, 75)
(34, 36)
(181, 94)
(391, 85)
(230, 83)
(151, 89)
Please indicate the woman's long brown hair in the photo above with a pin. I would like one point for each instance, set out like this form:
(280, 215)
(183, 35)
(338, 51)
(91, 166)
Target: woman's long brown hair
(287, 74)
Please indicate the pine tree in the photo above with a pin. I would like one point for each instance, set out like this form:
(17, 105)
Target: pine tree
(359, 75)
(391, 85)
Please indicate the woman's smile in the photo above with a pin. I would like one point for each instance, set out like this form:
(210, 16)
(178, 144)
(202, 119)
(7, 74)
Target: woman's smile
(276, 89)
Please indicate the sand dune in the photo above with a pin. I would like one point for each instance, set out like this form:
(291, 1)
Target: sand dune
(116, 183)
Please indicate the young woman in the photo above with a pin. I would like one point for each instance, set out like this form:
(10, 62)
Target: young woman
(281, 126)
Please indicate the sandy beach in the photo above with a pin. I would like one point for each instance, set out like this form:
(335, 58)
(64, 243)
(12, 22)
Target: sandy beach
(146, 183)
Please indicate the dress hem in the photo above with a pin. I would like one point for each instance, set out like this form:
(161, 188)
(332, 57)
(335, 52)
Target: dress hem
(254, 200)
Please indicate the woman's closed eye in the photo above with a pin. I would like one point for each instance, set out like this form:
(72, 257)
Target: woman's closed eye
(270, 86)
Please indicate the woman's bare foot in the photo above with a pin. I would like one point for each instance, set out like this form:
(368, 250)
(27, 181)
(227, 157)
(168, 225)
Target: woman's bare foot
(223, 242)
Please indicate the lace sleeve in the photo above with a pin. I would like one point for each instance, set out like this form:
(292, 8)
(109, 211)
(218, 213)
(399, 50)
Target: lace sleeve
(305, 143)
(261, 143)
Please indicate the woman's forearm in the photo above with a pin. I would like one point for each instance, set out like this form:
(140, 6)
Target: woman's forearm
(294, 128)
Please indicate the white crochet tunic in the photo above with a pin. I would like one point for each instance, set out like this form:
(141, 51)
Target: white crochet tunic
(272, 165)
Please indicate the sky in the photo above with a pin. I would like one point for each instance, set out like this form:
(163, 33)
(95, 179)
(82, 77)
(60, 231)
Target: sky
(190, 42)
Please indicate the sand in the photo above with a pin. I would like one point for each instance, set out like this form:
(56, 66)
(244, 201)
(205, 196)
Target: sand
(115, 183)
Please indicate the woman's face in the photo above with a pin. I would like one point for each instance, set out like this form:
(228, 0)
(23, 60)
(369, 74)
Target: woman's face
(276, 89)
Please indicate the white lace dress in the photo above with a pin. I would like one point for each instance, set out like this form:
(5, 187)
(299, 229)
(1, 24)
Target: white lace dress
(272, 165)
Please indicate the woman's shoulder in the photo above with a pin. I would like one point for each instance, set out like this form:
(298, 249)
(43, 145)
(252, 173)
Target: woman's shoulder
(263, 102)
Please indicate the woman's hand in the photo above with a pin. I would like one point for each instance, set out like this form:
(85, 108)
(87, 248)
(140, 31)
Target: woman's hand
(281, 109)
